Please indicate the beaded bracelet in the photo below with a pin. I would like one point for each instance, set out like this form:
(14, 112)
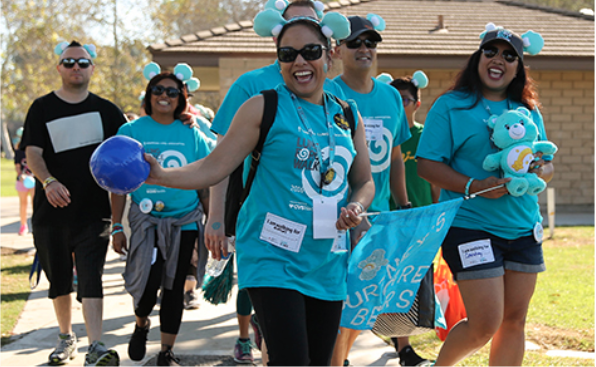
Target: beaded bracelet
(467, 190)
(48, 181)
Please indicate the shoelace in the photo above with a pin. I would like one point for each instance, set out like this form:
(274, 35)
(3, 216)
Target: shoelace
(63, 344)
(170, 355)
(246, 346)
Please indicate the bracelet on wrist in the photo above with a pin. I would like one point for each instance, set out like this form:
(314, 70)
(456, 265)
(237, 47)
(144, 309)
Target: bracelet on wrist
(117, 231)
(359, 204)
(117, 225)
(467, 190)
(48, 181)
(407, 205)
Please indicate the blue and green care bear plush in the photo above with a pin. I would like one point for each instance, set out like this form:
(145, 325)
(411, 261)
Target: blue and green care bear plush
(515, 134)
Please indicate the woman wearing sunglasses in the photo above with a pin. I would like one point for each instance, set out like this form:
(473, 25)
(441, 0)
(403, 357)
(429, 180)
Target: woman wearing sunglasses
(163, 220)
(506, 230)
(312, 182)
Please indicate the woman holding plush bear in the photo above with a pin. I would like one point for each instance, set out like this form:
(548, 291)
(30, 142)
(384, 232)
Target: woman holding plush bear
(494, 247)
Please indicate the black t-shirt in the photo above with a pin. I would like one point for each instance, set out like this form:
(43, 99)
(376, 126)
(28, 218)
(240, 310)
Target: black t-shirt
(68, 134)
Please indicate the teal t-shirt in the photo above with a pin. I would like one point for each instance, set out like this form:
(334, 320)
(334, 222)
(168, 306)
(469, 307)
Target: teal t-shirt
(386, 127)
(250, 84)
(173, 145)
(281, 196)
(459, 136)
(419, 192)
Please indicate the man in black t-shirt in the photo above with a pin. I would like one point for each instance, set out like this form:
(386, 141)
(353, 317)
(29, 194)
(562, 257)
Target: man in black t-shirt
(71, 212)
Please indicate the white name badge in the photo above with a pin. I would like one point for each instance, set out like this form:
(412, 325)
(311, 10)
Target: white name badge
(283, 233)
(476, 253)
(324, 216)
(340, 243)
(373, 129)
(538, 232)
(75, 131)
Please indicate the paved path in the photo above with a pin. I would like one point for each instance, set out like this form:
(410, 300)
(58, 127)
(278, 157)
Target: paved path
(208, 331)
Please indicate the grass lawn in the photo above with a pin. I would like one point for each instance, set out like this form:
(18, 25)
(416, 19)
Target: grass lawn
(8, 177)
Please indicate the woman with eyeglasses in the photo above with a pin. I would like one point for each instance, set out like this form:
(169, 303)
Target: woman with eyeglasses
(312, 182)
(163, 221)
(506, 231)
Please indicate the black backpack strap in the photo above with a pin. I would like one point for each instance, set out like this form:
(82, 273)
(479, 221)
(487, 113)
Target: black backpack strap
(345, 106)
(269, 112)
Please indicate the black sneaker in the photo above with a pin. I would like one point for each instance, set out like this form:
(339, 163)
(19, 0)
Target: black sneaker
(137, 346)
(408, 357)
(167, 358)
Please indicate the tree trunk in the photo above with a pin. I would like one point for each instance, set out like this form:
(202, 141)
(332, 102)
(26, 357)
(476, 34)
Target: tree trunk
(6, 143)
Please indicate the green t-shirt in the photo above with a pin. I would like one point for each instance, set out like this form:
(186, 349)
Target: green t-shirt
(419, 192)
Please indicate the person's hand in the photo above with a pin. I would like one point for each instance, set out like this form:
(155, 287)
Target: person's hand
(487, 183)
(348, 217)
(119, 243)
(215, 238)
(57, 194)
(156, 173)
(188, 119)
(537, 164)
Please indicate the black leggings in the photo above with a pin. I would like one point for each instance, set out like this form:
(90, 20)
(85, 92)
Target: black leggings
(172, 301)
(299, 330)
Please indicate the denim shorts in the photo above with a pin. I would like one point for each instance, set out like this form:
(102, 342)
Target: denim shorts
(474, 254)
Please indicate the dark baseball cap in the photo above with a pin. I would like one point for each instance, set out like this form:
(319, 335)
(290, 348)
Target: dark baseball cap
(505, 35)
(360, 25)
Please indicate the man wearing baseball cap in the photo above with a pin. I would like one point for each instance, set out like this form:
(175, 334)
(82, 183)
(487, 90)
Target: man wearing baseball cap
(386, 126)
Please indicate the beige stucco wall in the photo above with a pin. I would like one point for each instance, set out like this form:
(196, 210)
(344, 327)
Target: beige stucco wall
(568, 111)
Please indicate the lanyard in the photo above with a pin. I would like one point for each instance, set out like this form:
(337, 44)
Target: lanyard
(330, 172)
(487, 107)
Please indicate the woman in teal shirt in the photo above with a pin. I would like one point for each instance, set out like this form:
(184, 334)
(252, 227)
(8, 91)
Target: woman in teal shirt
(504, 231)
(296, 277)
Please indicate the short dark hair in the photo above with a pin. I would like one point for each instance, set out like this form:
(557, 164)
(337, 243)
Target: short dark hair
(309, 23)
(181, 97)
(522, 88)
(405, 83)
(74, 44)
(302, 3)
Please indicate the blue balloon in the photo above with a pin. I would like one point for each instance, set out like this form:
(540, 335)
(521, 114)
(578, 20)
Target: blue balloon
(29, 182)
(118, 165)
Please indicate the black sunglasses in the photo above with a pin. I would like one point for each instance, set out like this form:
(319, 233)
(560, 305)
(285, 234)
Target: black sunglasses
(508, 55)
(157, 90)
(309, 52)
(70, 62)
(353, 44)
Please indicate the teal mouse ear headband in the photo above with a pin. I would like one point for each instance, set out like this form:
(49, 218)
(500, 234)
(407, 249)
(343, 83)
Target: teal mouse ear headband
(182, 71)
(269, 23)
(419, 79)
(91, 49)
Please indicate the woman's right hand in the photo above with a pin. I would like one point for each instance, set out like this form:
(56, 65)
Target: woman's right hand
(487, 183)
(119, 243)
(215, 237)
(156, 172)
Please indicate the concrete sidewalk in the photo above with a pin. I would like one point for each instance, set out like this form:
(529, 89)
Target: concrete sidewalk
(208, 331)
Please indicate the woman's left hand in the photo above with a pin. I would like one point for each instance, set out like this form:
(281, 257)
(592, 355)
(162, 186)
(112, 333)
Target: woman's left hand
(536, 166)
(188, 119)
(348, 217)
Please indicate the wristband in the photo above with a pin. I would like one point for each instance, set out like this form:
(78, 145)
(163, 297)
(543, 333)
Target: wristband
(117, 231)
(362, 210)
(467, 190)
(407, 205)
(48, 181)
(115, 225)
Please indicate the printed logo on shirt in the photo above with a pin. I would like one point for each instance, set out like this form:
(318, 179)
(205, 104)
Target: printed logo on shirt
(167, 158)
(306, 155)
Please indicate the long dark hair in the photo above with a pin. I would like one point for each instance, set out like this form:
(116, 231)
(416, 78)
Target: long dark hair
(522, 88)
(182, 97)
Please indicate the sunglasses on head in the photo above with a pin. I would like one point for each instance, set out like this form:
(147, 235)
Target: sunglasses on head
(353, 44)
(157, 90)
(70, 62)
(508, 55)
(309, 52)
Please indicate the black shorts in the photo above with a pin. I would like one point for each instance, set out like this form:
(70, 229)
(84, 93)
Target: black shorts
(496, 254)
(55, 246)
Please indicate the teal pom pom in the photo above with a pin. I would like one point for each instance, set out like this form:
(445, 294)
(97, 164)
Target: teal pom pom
(218, 290)
(335, 25)
(268, 23)
(377, 21)
(277, 5)
(420, 80)
(319, 8)
(183, 71)
(384, 78)
(59, 49)
(151, 70)
(92, 50)
(533, 42)
(193, 84)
